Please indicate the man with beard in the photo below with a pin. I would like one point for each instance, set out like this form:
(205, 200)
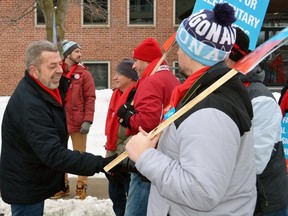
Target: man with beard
(79, 106)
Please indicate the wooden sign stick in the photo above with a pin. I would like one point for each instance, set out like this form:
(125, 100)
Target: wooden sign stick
(167, 46)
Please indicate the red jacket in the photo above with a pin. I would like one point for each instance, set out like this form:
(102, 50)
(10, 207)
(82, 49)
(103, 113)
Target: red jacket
(152, 96)
(80, 101)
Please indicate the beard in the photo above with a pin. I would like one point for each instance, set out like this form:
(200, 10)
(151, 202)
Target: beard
(75, 60)
(53, 86)
(49, 83)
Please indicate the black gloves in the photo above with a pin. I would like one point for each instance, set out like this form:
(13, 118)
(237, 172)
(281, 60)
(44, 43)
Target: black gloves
(107, 160)
(127, 165)
(121, 171)
(130, 166)
(125, 112)
(117, 177)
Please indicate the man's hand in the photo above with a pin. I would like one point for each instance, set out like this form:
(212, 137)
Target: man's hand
(139, 143)
(116, 174)
(107, 160)
(85, 127)
(117, 177)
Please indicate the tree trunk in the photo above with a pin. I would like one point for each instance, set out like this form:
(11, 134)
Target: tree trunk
(60, 15)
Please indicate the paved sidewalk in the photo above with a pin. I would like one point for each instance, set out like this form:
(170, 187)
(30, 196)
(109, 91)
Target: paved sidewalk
(97, 187)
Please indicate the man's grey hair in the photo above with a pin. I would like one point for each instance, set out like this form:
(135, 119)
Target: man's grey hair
(34, 51)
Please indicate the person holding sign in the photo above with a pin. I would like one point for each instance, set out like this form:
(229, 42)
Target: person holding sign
(272, 185)
(153, 92)
(204, 162)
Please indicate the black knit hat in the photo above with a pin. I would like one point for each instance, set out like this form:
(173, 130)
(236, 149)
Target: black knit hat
(241, 45)
(125, 68)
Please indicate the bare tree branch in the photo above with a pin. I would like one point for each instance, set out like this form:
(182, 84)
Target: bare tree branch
(95, 10)
(15, 15)
(23, 13)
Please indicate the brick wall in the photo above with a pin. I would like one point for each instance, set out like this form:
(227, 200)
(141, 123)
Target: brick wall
(99, 44)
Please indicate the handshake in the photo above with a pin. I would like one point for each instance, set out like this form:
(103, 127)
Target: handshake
(121, 171)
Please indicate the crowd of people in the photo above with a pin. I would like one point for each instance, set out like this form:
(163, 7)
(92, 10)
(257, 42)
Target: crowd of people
(224, 156)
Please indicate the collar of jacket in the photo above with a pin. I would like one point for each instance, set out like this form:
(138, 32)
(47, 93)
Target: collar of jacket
(256, 75)
(44, 94)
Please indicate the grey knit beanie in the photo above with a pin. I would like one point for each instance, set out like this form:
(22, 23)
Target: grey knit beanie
(68, 47)
(125, 68)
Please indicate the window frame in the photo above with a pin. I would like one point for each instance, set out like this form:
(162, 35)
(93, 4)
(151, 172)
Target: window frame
(174, 70)
(265, 34)
(174, 11)
(83, 25)
(100, 62)
(142, 25)
(36, 17)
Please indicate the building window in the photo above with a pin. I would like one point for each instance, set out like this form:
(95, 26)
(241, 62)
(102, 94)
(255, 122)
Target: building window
(39, 16)
(276, 64)
(141, 12)
(182, 9)
(95, 12)
(100, 73)
(176, 72)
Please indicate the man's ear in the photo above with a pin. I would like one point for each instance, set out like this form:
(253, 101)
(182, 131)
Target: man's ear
(33, 71)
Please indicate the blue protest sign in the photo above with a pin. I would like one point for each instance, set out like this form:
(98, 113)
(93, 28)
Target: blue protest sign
(284, 125)
(250, 15)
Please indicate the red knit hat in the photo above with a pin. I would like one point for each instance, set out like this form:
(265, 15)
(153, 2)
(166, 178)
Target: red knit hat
(147, 50)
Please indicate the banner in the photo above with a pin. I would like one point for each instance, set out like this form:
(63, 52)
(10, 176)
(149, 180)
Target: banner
(250, 15)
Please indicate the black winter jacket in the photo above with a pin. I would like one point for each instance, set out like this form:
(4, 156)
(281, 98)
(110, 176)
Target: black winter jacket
(232, 94)
(34, 155)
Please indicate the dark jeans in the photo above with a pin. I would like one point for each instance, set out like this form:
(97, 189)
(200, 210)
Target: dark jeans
(36, 209)
(118, 192)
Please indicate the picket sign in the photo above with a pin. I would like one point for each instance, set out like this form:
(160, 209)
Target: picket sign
(244, 65)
